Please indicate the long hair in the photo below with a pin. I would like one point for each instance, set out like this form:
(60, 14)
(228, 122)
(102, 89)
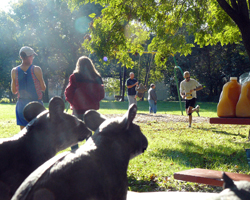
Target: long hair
(86, 67)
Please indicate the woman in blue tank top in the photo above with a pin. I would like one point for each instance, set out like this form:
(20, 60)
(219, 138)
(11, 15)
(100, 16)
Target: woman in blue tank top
(27, 82)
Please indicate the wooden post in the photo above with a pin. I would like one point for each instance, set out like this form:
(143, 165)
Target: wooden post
(124, 82)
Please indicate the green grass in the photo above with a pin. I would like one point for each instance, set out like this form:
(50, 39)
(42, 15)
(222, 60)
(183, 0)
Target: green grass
(172, 146)
(8, 125)
(115, 107)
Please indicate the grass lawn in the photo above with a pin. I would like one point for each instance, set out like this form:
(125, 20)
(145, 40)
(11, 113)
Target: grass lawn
(115, 107)
(172, 146)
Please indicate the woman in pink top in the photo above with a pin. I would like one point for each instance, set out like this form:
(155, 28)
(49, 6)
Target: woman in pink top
(85, 89)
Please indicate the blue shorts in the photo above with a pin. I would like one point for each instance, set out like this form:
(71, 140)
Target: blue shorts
(21, 103)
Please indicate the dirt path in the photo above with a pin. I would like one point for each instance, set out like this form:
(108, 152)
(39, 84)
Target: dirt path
(143, 118)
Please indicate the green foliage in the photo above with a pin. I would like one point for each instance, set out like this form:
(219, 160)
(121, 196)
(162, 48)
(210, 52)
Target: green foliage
(220, 28)
(121, 29)
(49, 27)
(52, 30)
(106, 39)
(92, 15)
(8, 42)
(167, 21)
(212, 66)
(4, 100)
(111, 86)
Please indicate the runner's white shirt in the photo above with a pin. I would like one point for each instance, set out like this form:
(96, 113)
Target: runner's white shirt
(185, 87)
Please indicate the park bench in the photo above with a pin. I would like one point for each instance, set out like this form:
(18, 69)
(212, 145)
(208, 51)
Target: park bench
(208, 176)
(235, 121)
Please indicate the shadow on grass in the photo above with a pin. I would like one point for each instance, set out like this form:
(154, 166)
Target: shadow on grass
(141, 185)
(221, 132)
(206, 156)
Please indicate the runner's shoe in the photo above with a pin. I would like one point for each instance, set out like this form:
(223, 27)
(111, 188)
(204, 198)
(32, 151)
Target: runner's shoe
(197, 109)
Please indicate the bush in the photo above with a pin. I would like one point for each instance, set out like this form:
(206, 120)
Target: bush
(4, 100)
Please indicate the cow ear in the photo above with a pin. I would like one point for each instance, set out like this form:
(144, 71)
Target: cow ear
(56, 108)
(93, 119)
(129, 116)
(32, 109)
(228, 182)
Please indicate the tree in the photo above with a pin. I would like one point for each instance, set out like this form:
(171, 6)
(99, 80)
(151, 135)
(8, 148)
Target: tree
(212, 66)
(210, 21)
(227, 22)
(55, 33)
(105, 39)
(8, 53)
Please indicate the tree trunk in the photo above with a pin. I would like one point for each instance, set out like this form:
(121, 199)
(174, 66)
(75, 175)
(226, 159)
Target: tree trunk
(245, 32)
(239, 13)
(46, 93)
(148, 69)
(12, 97)
(148, 63)
(10, 94)
(66, 80)
(124, 82)
(211, 85)
(44, 65)
(120, 77)
(68, 72)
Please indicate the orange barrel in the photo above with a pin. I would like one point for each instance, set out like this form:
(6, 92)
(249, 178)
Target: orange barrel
(243, 105)
(229, 98)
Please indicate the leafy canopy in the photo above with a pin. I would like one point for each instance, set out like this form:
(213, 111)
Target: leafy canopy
(166, 20)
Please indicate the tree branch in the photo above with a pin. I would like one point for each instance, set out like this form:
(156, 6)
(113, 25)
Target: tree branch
(230, 11)
(234, 4)
(243, 9)
(180, 13)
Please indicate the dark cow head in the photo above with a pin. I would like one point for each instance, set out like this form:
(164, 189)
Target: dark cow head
(122, 130)
(58, 128)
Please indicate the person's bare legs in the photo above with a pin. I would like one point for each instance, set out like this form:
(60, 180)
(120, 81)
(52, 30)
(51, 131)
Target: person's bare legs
(190, 118)
(189, 112)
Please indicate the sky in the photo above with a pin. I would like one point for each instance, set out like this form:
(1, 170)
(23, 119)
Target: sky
(4, 4)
